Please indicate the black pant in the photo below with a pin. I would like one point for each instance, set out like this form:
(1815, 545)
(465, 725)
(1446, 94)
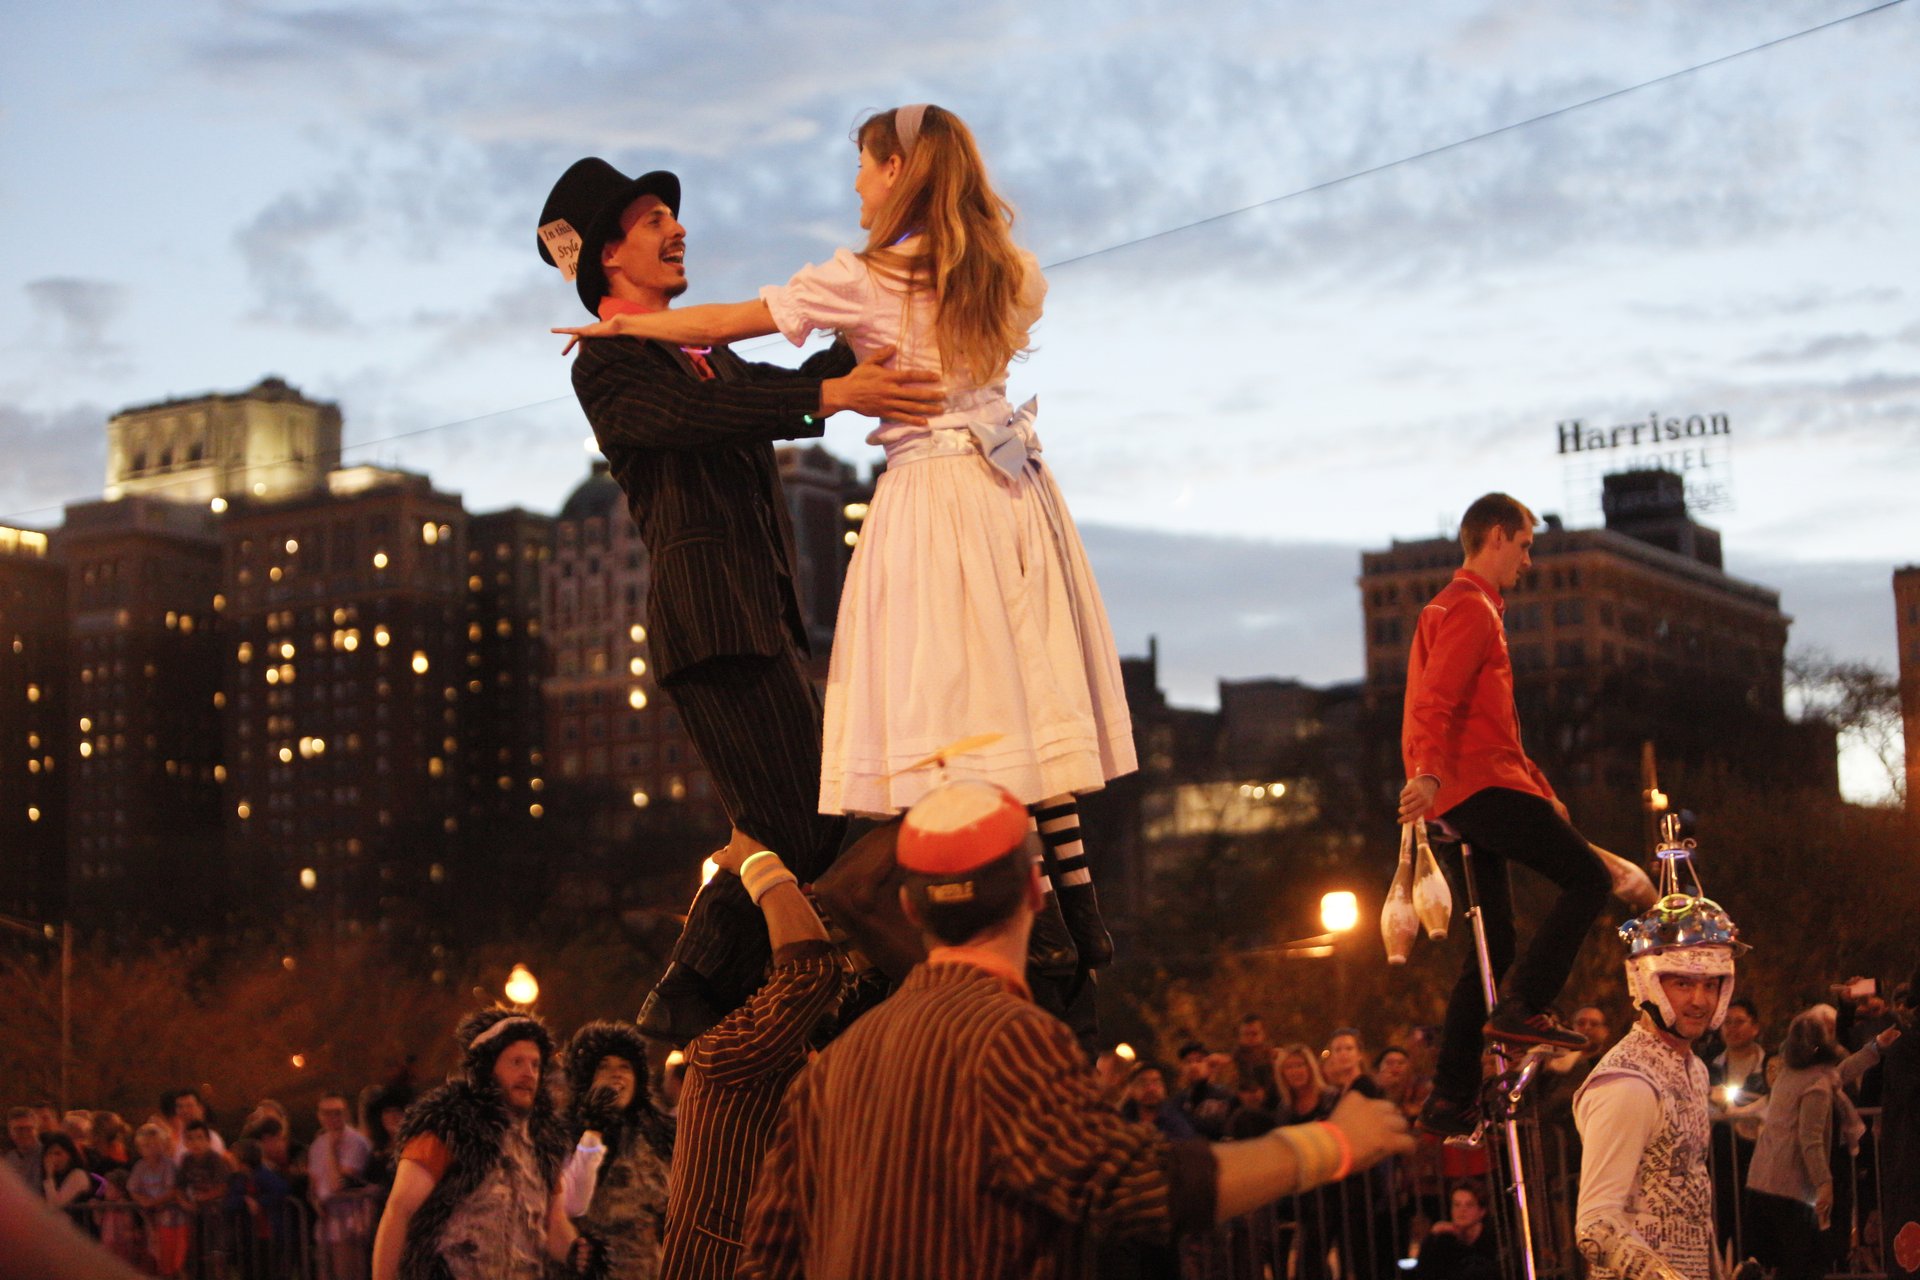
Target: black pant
(756, 723)
(1505, 826)
(1784, 1234)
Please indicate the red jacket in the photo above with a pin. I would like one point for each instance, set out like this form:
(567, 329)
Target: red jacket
(1460, 724)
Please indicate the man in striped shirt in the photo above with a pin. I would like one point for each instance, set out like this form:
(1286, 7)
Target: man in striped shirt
(956, 1131)
(737, 1071)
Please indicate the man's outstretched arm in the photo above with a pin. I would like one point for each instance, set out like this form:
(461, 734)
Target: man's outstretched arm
(634, 398)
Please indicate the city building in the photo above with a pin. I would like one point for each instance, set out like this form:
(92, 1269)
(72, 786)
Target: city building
(1228, 807)
(143, 715)
(33, 727)
(1622, 635)
(504, 713)
(265, 442)
(253, 688)
(1906, 616)
(346, 661)
(608, 730)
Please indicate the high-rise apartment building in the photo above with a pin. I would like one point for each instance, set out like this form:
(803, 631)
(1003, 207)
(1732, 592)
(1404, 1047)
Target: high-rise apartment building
(503, 716)
(251, 687)
(33, 727)
(344, 682)
(143, 714)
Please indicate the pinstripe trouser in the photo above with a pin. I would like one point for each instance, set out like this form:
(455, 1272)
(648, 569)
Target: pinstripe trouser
(756, 723)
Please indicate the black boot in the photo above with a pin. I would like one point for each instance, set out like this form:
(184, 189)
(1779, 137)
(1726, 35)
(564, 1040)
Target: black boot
(679, 1007)
(1080, 908)
(1071, 997)
(719, 961)
(1050, 948)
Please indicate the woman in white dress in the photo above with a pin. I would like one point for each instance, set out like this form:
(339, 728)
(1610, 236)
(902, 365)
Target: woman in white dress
(969, 607)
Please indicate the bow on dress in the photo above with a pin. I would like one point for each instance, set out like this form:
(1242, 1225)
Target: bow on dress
(1009, 445)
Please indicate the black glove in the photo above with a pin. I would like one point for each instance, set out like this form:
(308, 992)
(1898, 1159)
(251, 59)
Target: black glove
(596, 1110)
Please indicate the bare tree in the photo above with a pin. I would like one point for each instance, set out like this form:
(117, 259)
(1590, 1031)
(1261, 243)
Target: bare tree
(1860, 700)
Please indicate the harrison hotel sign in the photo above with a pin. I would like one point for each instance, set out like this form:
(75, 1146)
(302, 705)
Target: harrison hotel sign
(1697, 447)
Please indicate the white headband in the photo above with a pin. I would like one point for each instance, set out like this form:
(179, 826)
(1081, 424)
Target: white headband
(496, 1029)
(906, 125)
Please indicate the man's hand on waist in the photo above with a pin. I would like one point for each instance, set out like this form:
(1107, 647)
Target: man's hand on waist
(902, 395)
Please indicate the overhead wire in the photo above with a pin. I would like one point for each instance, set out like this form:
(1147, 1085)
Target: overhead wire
(1074, 260)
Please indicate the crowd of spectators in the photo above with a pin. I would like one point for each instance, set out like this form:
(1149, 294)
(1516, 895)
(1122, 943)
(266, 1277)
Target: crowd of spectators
(1793, 1155)
(172, 1197)
(1796, 1174)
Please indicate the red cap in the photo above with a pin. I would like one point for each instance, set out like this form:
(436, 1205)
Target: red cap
(960, 826)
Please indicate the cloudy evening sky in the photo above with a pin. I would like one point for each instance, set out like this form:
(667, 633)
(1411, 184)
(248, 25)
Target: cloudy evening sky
(201, 193)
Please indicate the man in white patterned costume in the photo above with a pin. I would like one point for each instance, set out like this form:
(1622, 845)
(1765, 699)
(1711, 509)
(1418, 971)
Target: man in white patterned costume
(1646, 1200)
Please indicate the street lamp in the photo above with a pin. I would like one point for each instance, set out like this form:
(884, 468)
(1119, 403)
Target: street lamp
(1339, 911)
(522, 989)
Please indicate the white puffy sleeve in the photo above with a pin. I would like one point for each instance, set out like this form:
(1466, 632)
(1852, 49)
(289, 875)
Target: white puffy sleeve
(830, 297)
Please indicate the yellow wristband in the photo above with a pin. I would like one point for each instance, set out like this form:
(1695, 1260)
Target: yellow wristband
(762, 871)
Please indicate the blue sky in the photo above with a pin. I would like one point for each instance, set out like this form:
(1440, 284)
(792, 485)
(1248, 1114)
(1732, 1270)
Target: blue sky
(201, 193)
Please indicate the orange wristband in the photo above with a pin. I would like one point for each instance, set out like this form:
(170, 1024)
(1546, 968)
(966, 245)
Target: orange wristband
(1346, 1150)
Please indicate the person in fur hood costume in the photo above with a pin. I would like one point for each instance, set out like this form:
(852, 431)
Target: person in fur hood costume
(478, 1192)
(617, 1182)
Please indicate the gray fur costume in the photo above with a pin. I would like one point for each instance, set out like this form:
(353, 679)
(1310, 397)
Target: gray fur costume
(470, 1115)
(626, 1216)
(639, 1121)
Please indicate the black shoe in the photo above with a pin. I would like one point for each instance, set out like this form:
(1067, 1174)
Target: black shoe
(1080, 908)
(1445, 1118)
(1513, 1023)
(679, 1007)
(1050, 948)
(1074, 999)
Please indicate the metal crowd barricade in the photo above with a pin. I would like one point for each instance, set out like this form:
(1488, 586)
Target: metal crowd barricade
(343, 1234)
(1359, 1229)
(1349, 1230)
(217, 1241)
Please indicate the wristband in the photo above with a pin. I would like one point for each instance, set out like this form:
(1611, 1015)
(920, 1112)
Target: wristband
(762, 871)
(1318, 1155)
(1346, 1149)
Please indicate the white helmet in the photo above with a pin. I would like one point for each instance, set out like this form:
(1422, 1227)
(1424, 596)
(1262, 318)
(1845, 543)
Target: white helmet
(1683, 934)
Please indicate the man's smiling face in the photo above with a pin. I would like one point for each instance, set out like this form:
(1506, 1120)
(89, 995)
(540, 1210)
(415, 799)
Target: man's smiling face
(650, 258)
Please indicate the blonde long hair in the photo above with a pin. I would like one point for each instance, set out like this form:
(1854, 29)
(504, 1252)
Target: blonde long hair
(1316, 1079)
(968, 260)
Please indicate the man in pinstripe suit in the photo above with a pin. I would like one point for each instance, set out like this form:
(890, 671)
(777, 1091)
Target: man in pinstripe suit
(956, 1131)
(737, 1072)
(688, 433)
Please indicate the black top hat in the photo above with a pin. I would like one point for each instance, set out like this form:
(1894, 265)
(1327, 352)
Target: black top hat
(583, 211)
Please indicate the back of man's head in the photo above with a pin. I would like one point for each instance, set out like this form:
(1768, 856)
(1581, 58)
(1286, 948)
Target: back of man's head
(967, 854)
(1489, 512)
